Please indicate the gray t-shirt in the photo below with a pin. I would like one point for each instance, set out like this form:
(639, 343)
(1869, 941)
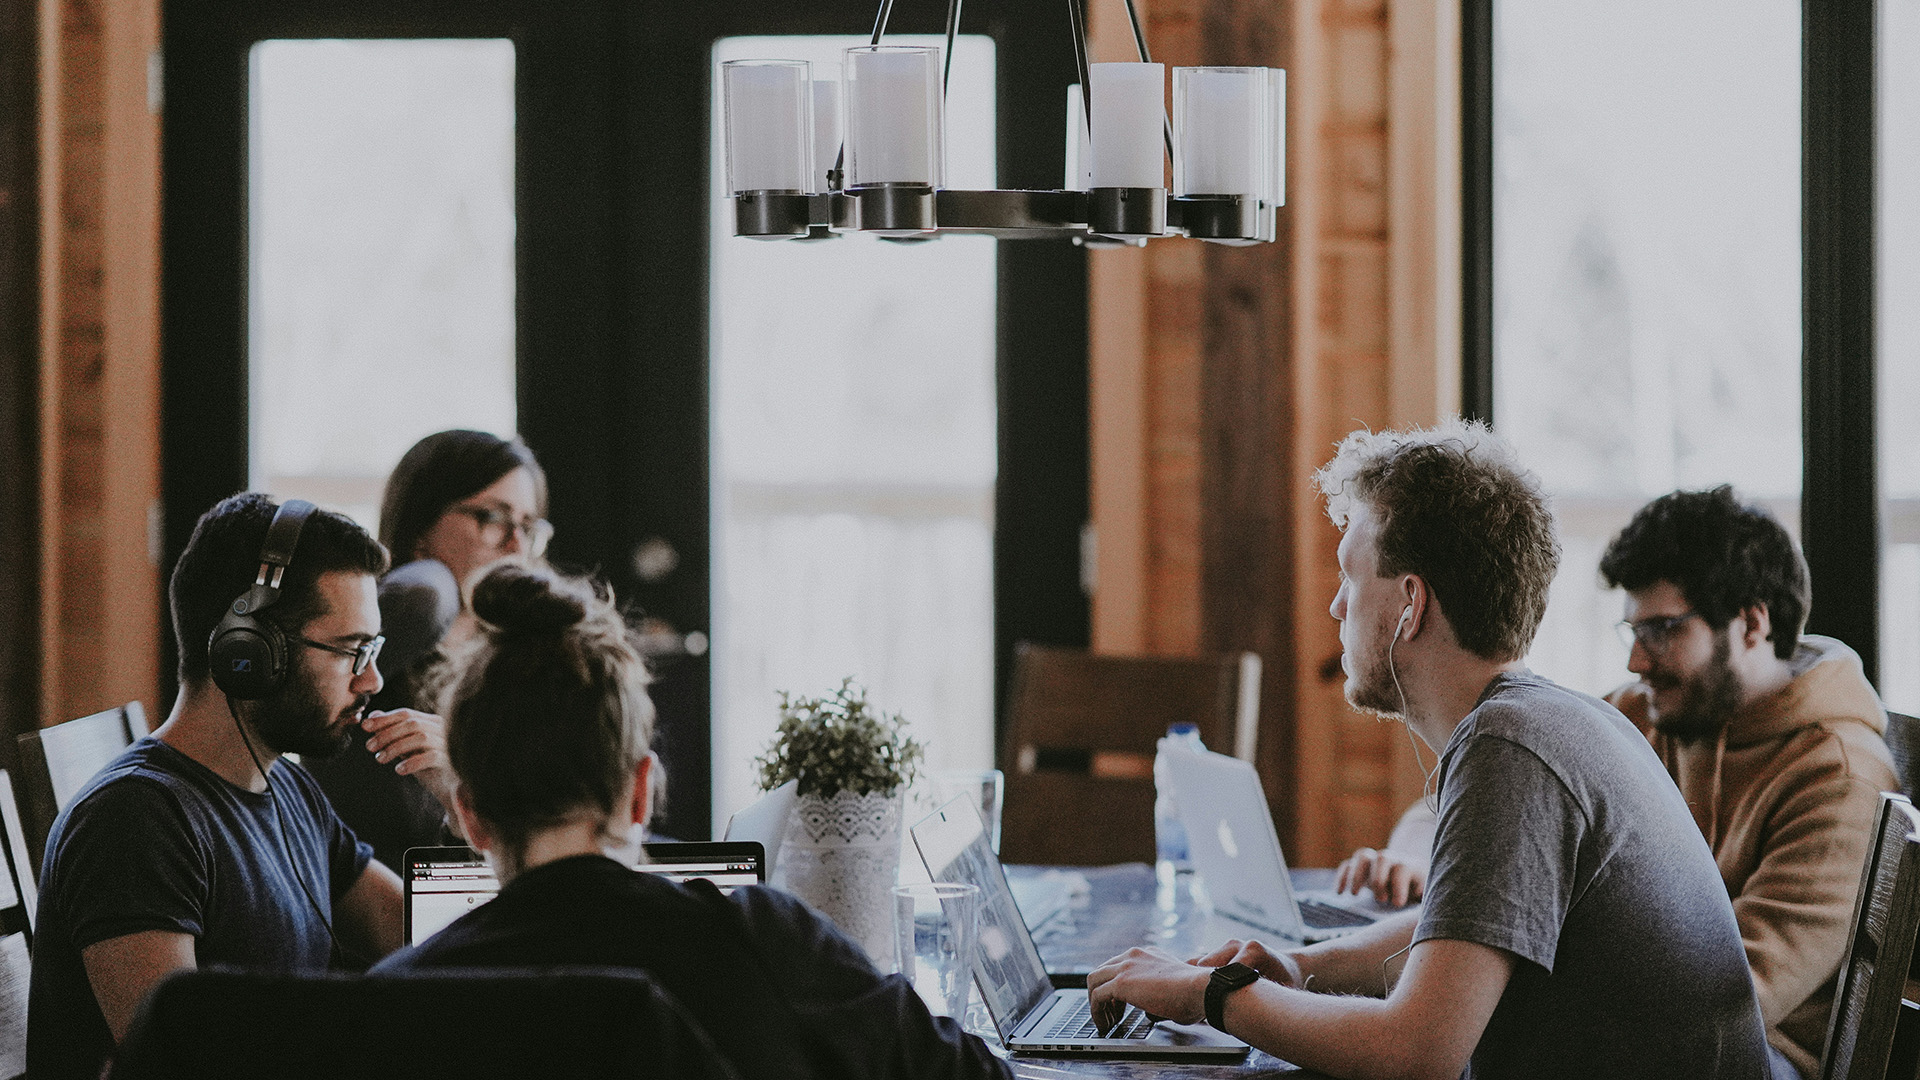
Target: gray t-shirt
(1562, 841)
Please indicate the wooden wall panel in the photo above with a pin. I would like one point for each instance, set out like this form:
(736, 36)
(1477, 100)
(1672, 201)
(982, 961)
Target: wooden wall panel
(98, 414)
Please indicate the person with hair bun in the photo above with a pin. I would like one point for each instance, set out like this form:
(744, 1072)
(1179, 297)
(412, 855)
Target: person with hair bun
(457, 501)
(548, 731)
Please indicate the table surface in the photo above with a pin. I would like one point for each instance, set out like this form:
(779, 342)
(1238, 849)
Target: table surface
(1115, 911)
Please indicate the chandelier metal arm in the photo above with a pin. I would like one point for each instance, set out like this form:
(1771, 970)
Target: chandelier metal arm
(1077, 15)
(880, 21)
(953, 29)
(1139, 35)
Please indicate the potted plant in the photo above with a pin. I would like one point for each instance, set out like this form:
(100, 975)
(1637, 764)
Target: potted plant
(842, 849)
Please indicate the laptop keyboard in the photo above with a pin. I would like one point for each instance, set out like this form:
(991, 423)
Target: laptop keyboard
(1323, 916)
(1078, 1024)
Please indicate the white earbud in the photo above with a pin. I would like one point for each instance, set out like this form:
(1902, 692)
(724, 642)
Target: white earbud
(1405, 614)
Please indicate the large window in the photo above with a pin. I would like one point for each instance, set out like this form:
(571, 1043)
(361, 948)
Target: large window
(1647, 262)
(1899, 348)
(854, 459)
(381, 257)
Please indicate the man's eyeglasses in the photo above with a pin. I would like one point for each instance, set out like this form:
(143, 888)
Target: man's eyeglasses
(364, 654)
(1653, 634)
(497, 523)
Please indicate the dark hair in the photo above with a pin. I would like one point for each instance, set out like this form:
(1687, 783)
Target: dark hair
(442, 469)
(223, 558)
(1457, 509)
(547, 711)
(1724, 555)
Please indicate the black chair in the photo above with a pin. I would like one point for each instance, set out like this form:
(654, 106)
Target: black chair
(56, 762)
(1873, 1034)
(1903, 738)
(216, 1025)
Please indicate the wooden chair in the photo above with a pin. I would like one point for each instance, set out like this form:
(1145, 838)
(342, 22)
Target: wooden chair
(1903, 738)
(216, 1025)
(1870, 1021)
(17, 902)
(56, 762)
(1080, 740)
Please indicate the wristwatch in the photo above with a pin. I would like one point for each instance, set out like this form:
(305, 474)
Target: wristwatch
(1225, 981)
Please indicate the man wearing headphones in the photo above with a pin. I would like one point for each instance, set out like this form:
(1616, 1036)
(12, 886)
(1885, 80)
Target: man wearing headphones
(199, 845)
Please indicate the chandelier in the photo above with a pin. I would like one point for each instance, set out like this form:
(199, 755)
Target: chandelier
(811, 158)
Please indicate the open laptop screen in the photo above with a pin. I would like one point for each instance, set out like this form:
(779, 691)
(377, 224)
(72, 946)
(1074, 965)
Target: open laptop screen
(1007, 968)
(444, 883)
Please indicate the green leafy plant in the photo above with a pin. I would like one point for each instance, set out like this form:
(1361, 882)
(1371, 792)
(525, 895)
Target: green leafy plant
(838, 743)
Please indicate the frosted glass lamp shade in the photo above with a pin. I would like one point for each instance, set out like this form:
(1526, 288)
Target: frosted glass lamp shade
(1221, 130)
(894, 131)
(1079, 176)
(1129, 118)
(769, 125)
(826, 131)
(1277, 134)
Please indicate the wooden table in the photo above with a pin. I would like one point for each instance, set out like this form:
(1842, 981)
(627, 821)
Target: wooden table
(1116, 912)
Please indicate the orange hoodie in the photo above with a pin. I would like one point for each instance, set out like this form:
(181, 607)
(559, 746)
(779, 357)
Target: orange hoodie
(1786, 798)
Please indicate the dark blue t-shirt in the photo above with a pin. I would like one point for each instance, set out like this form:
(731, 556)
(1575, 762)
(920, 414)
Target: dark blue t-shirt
(157, 841)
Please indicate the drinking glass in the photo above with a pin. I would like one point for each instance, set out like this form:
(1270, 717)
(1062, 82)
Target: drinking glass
(987, 788)
(936, 928)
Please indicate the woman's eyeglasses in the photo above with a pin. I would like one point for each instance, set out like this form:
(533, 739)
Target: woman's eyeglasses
(497, 523)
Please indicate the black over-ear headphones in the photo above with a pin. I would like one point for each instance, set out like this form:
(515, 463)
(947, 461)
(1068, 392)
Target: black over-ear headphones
(247, 655)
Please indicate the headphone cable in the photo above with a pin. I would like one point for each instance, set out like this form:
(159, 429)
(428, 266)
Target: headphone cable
(340, 952)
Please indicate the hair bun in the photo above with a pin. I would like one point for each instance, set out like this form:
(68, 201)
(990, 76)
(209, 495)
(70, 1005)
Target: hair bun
(519, 599)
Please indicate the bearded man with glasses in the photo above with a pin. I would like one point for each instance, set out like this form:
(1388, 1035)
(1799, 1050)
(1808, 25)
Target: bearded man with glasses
(205, 843)
(1775, 737)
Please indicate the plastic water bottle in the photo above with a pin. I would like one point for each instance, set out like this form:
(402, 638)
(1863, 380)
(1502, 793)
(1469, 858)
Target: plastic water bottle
(1173, 865)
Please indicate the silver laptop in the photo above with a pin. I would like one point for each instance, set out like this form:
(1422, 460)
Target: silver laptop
(765, 821)
(1236, 852)
(1032, 1016)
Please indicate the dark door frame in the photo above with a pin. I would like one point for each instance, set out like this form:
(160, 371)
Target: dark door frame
(1840, 496)
(612, 265)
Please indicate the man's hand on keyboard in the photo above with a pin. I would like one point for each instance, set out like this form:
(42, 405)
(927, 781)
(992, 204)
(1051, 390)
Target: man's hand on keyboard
(1279, 967)
(1153, 979)
(1395, 878)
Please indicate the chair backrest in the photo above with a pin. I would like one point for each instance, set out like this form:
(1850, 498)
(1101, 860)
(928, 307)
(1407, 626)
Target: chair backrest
(584, 1022)
(56, 762)
(1867, 1013)
(1080, 739)
(1903, 738)
(17, 901)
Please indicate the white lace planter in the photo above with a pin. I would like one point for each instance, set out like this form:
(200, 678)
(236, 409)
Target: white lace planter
(841, 855)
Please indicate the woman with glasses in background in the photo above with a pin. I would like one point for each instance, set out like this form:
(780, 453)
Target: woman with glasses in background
(458, 501)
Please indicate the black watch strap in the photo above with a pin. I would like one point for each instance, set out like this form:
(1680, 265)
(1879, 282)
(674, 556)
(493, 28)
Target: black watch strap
(1225, 981)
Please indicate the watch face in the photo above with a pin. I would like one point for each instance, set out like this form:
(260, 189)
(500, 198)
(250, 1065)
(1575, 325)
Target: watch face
(1236, 974)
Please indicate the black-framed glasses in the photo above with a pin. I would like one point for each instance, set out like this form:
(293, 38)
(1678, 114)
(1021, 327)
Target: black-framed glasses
(363, 654)
(497, 523)
(1652, 634)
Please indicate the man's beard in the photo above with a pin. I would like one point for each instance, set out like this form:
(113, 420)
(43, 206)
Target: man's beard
(1707, 700)
(294, 720)
(1371, 687)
